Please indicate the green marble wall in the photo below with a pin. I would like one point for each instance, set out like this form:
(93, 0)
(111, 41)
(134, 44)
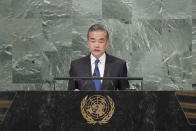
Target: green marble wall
(39, 38)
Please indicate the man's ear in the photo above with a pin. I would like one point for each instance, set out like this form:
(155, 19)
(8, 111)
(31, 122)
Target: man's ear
(87, 41)
(108, 42)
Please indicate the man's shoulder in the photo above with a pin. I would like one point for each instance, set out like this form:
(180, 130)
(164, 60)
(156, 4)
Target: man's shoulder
(114, 58)
(81, 60)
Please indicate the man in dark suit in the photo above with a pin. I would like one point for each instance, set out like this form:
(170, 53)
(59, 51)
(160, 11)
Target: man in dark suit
(98, 64)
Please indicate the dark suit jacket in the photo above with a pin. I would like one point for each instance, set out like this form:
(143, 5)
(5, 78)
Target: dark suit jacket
(114, 67)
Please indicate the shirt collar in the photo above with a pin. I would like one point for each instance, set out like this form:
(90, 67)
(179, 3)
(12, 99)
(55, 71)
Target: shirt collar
(101, 59)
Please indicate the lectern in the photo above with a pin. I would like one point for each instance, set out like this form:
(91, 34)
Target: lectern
(94, 111)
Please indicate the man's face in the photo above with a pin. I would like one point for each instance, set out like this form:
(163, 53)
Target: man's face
(97, 43)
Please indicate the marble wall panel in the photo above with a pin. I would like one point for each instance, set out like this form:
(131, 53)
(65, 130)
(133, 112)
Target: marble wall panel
(157, 42)
(6, 47)
(5, 7)
(194, 9)
(5, 52)
(86, 12)
(147, 9)
(176, 9)
(26, 8)
(117, 9)
(28, 43)
(146, 54)
(166, 9)
(194, 51)
(38, 38)
(177, 52)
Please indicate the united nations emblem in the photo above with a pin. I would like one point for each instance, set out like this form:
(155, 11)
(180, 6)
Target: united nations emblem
(97, 109)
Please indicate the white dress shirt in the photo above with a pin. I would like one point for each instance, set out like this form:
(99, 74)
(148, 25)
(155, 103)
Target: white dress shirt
(101, 64)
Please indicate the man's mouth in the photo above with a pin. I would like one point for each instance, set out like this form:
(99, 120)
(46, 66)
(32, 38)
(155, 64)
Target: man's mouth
(96, 50)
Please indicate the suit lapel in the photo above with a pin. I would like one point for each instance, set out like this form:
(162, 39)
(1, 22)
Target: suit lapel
(106, 71)
(88, 64)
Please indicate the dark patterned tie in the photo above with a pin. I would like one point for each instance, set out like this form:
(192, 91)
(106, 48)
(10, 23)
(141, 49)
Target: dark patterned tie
(97, 74)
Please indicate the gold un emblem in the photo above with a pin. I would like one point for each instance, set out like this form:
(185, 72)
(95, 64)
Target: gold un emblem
(97, 109)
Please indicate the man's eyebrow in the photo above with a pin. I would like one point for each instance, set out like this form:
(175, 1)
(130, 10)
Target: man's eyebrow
(101, 39)
(92, 38)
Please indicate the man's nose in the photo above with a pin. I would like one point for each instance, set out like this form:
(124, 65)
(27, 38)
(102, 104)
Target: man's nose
(97, 44)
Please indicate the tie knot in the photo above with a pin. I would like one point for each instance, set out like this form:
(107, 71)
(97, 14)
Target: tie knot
(96, 61)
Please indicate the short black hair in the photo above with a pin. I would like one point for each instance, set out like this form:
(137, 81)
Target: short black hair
(97, 27)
